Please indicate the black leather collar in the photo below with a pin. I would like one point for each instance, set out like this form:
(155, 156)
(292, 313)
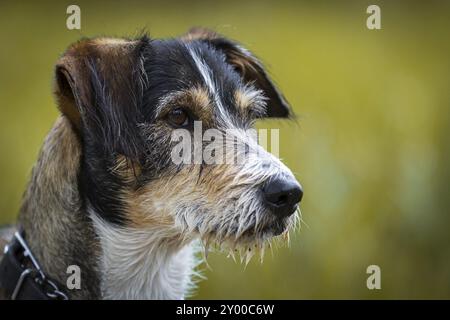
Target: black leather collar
(21, 277)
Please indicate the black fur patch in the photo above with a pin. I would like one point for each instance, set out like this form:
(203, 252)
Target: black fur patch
(123, 117)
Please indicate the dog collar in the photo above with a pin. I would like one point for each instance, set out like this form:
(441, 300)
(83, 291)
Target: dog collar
(22, 278)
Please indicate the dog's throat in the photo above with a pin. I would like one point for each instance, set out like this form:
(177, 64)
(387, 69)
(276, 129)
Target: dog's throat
(140, 264)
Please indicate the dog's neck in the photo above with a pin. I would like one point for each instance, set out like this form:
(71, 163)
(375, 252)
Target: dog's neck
(115, 262)
(143, 264)
(56, 228)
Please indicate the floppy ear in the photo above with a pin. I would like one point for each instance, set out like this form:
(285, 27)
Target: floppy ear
(99, 87)
(250, 68)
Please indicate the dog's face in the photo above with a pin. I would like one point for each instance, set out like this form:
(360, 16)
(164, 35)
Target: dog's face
(128, 98)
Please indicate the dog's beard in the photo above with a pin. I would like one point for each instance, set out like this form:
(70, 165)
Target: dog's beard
(223, 205)
(241, 227)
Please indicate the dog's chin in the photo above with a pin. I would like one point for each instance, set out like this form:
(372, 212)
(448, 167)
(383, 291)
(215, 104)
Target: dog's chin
(247, 243)
(253, 235)
(268, 231)
(247, 235)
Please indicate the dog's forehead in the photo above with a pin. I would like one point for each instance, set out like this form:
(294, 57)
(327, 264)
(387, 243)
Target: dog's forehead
(174, 66)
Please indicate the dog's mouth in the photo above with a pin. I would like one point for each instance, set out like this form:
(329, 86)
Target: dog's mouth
(272, 229)
(253, 240)
(252, 231)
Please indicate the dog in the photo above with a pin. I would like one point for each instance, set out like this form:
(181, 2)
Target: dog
(105, 195)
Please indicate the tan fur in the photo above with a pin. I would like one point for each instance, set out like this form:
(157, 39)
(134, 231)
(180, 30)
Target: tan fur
(199, 33)
(152, 204)
(126, 169)
(195, 99)
(217, 203)
(52, 207)
(200, 97)
(243, 101)
(72, 74)
(112, 42)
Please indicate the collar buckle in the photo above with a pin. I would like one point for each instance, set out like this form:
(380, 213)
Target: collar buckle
(34, 272)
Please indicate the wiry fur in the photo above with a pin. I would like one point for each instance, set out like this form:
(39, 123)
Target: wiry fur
(105, 195)
(56, 226)
(148, 263)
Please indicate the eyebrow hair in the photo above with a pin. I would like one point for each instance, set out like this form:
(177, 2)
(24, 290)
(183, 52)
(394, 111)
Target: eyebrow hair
(164, 101)
(195, 99)
(249, 98)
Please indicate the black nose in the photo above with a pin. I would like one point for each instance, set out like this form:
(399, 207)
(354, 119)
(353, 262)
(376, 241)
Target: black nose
(282, 196)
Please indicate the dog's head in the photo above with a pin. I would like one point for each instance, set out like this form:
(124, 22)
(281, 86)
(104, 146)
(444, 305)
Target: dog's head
(128, 99)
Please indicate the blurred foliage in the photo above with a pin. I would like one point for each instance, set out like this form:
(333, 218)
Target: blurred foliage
(371, 146)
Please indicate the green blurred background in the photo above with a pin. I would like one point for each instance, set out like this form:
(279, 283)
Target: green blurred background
(371, 146)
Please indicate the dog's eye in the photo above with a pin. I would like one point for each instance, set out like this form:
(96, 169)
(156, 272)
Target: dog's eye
(178, 117)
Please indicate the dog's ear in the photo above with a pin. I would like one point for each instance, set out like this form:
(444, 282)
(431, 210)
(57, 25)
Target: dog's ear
(248, 66)
(99, 86)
